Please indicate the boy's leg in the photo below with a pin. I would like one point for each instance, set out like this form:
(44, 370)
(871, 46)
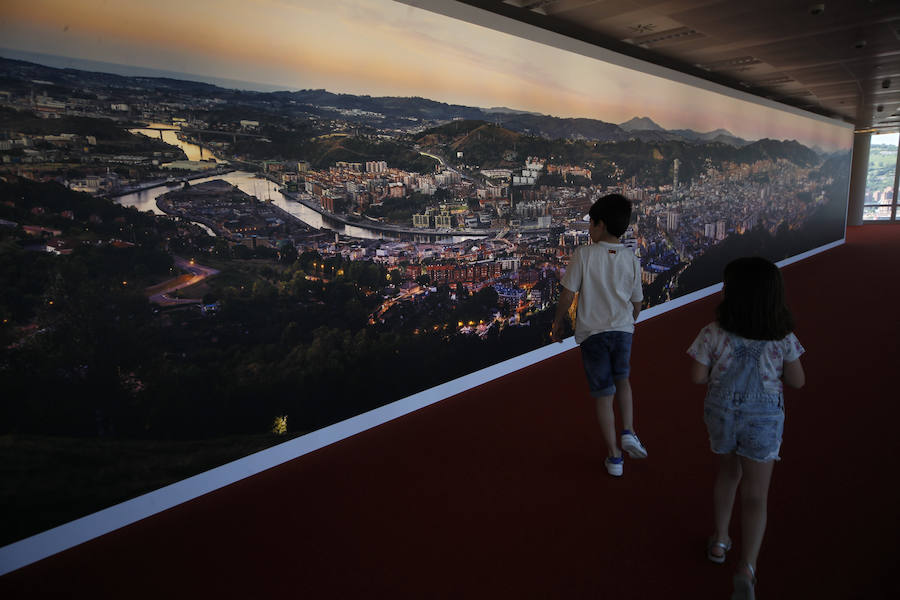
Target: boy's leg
(597, 359)
(724, 490)
(754, 512)
(624, 403)
(630, 442)
(608, 424)
(620, 362)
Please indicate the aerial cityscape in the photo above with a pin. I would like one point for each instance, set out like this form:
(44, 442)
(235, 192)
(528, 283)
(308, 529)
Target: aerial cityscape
(217, 267)
(463, 202)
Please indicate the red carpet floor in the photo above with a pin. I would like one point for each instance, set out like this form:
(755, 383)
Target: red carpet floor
(500, 492)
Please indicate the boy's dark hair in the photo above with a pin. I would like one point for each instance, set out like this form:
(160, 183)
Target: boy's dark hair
(753, 305)
(614, 210)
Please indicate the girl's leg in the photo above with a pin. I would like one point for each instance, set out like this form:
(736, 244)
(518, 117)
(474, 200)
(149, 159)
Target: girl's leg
(754, 500)
(724, 490)
(608, 424)
(623, 403)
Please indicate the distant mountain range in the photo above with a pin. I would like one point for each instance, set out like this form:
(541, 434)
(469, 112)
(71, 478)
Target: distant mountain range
(100, 67)
(380, 112)
(398, 111)
(511, 111)
(640, 124)
(487, 143)
(525, 122)
(646, 129)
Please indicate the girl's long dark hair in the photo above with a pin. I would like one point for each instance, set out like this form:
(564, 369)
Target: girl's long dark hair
(753, 304)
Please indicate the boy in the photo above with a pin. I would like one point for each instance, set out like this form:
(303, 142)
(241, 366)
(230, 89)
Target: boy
(607, 276)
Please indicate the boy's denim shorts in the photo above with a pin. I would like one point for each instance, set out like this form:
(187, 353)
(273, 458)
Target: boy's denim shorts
(748, 427)
(606, 357)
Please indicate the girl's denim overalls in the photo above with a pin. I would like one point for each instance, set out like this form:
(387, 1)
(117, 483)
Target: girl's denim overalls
(740, 414)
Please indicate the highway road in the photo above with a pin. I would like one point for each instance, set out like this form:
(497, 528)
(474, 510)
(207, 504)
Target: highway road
(195, 274)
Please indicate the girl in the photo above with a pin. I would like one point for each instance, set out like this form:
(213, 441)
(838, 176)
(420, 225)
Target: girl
(744, 357)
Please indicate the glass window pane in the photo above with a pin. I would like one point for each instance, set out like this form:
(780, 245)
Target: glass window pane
(877, 213)
(880, 177)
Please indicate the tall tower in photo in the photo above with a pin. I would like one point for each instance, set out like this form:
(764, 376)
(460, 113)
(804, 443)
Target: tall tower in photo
(675, 176)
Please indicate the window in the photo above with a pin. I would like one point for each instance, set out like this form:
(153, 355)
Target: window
(880, 202)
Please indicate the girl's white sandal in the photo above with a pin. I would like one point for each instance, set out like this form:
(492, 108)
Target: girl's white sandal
(725, 546)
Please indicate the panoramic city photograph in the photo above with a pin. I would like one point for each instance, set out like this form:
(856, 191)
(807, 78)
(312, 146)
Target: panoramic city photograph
(228, 224)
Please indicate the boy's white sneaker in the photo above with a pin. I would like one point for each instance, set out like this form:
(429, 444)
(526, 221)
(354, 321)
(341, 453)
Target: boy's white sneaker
(632, 445)
(614, 465)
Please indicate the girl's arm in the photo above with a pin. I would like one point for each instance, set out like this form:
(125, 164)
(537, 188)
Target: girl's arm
(793, 374)
(700, 372)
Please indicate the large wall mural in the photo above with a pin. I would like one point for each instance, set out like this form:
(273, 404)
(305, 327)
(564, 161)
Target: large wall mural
(224, 224)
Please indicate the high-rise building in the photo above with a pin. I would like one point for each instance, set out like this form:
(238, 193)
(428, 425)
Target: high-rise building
(672, 220)
(675, 177)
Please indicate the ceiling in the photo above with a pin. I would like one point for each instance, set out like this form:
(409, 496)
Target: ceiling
(839, 58)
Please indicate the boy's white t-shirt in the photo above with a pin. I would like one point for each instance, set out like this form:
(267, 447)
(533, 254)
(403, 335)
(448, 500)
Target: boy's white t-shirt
(607, 278)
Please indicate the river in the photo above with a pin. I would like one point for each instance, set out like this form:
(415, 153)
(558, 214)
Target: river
(261, 188)
(255, 186)
(170, 136)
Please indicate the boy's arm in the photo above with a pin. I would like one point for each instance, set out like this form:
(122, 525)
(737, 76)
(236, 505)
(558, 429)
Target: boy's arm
(566, 297)
(636, 311)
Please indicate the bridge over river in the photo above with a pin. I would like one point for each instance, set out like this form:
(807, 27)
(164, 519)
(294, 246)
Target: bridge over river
(397, 230)
(199, 132)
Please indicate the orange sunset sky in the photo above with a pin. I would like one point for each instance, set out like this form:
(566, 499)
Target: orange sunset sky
(381, 48)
